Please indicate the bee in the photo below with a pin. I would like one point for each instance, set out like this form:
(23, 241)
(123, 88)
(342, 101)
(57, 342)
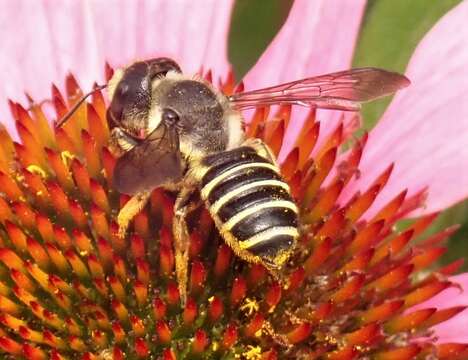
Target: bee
(179, 132)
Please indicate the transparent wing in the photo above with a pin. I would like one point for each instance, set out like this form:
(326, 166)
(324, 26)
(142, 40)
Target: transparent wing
(153, 162)
(344, 90)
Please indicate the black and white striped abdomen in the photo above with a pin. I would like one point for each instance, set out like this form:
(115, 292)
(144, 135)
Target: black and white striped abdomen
(250, 203)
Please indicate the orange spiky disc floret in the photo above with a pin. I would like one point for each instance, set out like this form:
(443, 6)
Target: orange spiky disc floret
(70, 287)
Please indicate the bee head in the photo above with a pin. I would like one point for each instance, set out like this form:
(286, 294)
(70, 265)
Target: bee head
(153, 92)
(130, 93)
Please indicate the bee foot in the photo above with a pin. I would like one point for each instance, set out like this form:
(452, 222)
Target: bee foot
(130, 210)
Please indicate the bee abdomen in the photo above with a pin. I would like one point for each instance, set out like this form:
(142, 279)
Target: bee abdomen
(246, 194)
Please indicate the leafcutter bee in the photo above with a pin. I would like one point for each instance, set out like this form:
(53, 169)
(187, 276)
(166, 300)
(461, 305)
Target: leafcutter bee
(179, 132)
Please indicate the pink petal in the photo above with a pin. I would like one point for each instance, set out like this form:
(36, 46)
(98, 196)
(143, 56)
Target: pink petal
(42, 41)
(453, 330)
(425, 129)
(317, 38)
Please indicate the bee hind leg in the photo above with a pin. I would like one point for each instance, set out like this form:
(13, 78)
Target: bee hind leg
(130, 210)
(261, 148)
(279, 275)
(182, 208)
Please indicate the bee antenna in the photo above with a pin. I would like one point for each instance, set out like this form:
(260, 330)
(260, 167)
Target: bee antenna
(75, 107)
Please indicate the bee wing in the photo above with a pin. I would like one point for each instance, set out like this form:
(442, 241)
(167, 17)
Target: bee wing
(153, 162)
(344, 90)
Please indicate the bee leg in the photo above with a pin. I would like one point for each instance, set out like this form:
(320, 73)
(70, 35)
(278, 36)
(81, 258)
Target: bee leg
(280, 339)
(277, 274)
(182, 240)
(119, 142)
(130, 210)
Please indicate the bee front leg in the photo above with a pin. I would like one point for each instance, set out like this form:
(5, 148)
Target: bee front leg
(182, 208)
(130, 210)
(120, 142)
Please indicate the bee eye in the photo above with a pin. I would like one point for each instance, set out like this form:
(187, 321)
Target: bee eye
(170, 117)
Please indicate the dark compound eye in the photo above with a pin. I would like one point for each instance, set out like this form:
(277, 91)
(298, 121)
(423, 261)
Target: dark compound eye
(170, 117)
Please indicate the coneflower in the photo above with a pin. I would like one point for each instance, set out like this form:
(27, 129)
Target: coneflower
(72, 288)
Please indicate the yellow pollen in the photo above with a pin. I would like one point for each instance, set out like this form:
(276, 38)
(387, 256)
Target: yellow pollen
(278, 338)
(250, 306)
(36, 169)
(331, 340)
(66, 157)
(253, 352)
(19, 178)
(360, 348)
(106, 354)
